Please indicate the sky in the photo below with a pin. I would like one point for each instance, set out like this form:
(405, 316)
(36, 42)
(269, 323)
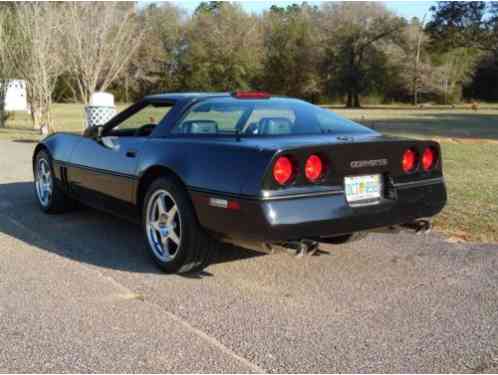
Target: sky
(407, 9)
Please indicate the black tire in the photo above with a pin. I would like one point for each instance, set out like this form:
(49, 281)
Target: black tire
(57, 202)
(346, 238)
(196, 247)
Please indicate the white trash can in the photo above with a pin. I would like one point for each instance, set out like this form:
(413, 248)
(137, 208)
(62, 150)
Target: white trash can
(100, 109)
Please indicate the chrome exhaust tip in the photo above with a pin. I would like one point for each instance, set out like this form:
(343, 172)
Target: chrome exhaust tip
(300, 248)
(421, 226)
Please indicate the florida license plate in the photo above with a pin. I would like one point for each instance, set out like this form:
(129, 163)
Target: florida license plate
(361, 189)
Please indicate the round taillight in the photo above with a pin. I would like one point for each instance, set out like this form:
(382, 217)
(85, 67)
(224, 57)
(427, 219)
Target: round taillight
(283, 170)
(313, 168)
(429, 159)
(409, 162)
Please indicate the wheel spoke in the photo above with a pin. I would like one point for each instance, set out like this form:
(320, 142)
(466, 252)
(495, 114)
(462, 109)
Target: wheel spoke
(166, 249)
(161, 205)
(45, 171)
(155, 225)
(174, 237)
(171, 214)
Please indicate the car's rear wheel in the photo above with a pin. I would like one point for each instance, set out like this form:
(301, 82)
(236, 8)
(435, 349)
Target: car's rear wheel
(176, 241)
(50, 197)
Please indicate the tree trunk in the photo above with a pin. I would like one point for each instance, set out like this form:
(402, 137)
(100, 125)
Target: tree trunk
(37, 119)
(417, 61)
(2, 110)
(356, 103)
(414, 92)
(349, 103)
(353, 100)
(2, 115)
(4, 84)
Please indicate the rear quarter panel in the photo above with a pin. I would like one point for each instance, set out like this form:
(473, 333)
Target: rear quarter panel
(211, 165)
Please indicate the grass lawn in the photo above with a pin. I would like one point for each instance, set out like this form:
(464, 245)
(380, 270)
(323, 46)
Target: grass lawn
(470, 155)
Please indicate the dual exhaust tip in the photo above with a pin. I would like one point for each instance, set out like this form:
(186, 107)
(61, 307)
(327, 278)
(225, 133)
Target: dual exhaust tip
(421, 226)
(311, 246)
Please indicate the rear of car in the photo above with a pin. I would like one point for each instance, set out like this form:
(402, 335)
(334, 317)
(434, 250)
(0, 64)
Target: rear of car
(313, 175)
(324, 191)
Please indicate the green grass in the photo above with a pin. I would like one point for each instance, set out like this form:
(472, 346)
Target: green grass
(472, 181)
(434, 122)
(469, 142)
(67, 117)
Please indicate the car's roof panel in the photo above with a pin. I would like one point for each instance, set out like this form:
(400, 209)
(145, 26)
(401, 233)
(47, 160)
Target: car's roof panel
(176, 96)
(184, 95)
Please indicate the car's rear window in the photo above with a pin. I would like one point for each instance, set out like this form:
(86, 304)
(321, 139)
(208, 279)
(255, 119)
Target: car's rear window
(267, 117)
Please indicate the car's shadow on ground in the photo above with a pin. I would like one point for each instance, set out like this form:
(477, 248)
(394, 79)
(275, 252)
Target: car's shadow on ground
(86, 235)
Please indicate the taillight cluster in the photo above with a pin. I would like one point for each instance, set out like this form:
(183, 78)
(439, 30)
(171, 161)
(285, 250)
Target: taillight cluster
(411, 161)
(285, 169)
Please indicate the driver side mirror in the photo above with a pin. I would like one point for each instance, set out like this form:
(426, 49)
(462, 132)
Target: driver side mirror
(94, 132)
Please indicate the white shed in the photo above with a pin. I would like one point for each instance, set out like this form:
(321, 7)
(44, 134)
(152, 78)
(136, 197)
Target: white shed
(16, 96)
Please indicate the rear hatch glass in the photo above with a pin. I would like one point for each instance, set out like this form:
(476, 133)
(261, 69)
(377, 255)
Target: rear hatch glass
(266, 117)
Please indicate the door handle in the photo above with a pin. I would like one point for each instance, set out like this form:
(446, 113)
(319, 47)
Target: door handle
(131, 153)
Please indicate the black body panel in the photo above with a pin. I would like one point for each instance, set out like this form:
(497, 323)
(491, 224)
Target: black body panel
(107, 174)
(319, 216)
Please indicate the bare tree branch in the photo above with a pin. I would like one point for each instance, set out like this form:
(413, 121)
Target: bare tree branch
(100, 40)
(36, 51)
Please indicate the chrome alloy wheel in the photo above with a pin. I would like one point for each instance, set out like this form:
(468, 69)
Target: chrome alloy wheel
(163, 225)
(44, 182)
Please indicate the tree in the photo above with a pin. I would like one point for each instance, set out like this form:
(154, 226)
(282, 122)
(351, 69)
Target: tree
(484, 83)
(6, 66)
(155, 65)
(454, 69)
(457, 24)
(354, 37)
(100, 40)
(414, 61)
(292, 51)
(209, 7)
(419, 37)
(462, 33)
(36, 53)
(221, 49)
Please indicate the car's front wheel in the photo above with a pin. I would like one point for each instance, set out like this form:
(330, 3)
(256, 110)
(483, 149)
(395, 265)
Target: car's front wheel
(50, 197)
(175, 239)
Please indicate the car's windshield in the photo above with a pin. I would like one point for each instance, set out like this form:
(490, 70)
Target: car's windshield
(272, 117)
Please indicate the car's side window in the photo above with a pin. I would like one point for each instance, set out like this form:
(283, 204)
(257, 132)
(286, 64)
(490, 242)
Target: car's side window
(210, 120)
(270, 121)
(145, 119)
(331, 123)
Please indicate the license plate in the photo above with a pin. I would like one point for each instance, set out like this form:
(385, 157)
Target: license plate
(363, 188)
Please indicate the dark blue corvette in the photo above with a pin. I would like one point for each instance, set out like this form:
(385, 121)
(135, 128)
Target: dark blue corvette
(197, 168)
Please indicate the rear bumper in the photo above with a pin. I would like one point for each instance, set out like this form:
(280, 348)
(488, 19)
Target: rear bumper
(318, 216)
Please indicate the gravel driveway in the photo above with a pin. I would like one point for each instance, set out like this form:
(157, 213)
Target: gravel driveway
(79, 294)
